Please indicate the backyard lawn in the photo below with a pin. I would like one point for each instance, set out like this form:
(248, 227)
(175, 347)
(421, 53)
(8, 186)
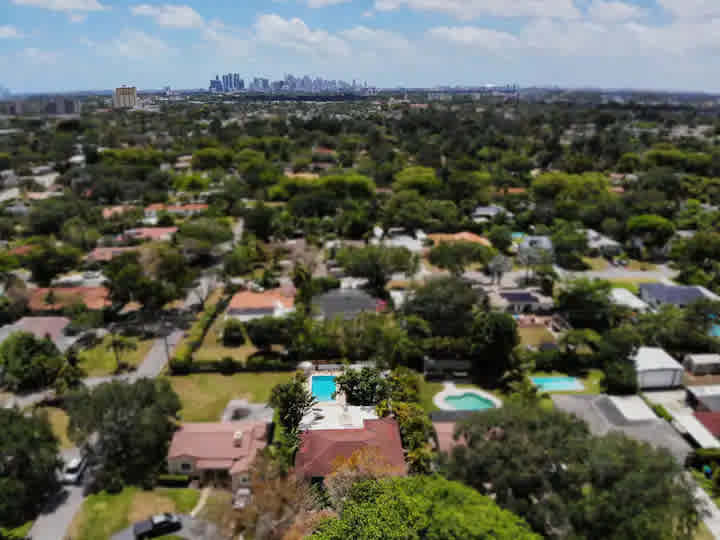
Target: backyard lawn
(100, 360)
(536, 335)
(218, 508)
(596, 264)
(212, 347)
(640, 266)
(427, 391)
(17, 533)
(103, 514)
(204, 396)
(59, 421)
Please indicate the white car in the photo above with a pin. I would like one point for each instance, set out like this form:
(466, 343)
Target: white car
(73, 472)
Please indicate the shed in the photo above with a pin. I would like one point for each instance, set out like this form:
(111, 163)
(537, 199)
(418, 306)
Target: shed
(702, 364)
(657, 369)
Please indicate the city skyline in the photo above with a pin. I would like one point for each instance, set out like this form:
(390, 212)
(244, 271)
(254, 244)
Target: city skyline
(234, 82)
(66, 45)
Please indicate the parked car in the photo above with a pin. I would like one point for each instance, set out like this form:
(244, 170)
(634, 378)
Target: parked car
(158, 525)
(73, 471)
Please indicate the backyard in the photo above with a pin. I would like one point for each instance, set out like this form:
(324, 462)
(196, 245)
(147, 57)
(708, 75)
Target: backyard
(100, 360)
(534, 336)
(631, 285)
(59, 421)
(204, 396)
(591, 380)
(103, 514)
(212, 347)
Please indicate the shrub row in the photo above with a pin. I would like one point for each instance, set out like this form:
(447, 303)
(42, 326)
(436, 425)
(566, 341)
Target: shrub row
(172, 480)
(183, 358)
(228, 366)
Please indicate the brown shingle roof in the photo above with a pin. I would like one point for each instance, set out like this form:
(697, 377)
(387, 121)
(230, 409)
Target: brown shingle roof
(321, 449)
(105, 254)
(91, 297)
(213, 444)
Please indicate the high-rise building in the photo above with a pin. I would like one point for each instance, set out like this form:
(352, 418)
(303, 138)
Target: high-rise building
(215, 84)
(125, 97)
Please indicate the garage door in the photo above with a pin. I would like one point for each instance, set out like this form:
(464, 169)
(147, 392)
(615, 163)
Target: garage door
(657, 379)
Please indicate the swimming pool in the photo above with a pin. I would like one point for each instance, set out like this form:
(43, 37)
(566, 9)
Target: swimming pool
(469, 402)
(558, 384)
(715, 330)
(323, 387)
(518, 235)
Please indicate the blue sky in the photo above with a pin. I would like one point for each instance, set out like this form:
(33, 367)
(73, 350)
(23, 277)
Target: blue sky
(61, 45)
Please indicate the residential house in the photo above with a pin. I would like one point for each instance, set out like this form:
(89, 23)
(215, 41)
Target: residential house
(8, 195)
(56, 299)
(623, 297)
(446, 368)
(218, 453)
(703, 398)
(602, 245)
(657, 369)
(702, 364)
(711, 421)
(52, 328)
(345, 303)
(536, 243)
(520, 301)
(153, 234)
(153, 211)
(482, 214)
(107, 254)
(249, 305)
(659, 294)
(110, 212)
(460, 237)
(321, 449)
(18, 209)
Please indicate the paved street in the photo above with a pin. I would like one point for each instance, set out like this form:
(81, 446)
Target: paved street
(156, 359)
(712, 516)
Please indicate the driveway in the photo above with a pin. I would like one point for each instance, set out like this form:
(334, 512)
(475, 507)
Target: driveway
(52, 522)
(156, 359)
(193, 529)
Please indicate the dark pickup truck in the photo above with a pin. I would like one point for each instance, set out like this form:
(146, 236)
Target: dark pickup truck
(157, 525)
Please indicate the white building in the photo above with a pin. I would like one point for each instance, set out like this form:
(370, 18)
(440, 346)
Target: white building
(657, 369)
(125, 97)
(623, 297)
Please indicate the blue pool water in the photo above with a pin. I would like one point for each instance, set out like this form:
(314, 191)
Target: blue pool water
(518, 235)
(715, 330)
(323, 387)
(557, 384)
(469, 402)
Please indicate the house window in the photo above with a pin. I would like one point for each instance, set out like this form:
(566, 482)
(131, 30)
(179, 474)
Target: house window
(186, 467)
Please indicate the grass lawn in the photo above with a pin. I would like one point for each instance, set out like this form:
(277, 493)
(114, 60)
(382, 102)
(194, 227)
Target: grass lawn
(596, 263)
(640, 266)
(204, 396)
(217, 508)
(102, 514)
(591, 381)
(427, 392)
(630, 284)
(535, 336)
(59, 421)
(21, 532)
(707, 485)
(100, 360)
(703, 533)
(212, 347)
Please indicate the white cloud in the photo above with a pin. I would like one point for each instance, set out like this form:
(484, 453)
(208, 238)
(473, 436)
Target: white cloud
(691, 9)
(230, 43)
(324, 3)
(175, 16)
(371, 38)
(470, 9)
(295, 34)
(612, 11)
(38, 56)
(137, 45)
(62, 5)
(9, 32)
(484, 38)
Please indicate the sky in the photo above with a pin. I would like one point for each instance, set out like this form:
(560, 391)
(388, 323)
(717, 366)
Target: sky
(65, 45)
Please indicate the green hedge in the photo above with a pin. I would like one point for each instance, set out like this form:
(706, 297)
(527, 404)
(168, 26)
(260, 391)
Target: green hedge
(182, 360)
(703, 456)
(173, 480)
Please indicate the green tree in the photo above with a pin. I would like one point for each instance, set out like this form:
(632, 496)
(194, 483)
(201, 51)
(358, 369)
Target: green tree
(501, 237)
(456, 256)
(292, 400)
(47, 260)
(119, 346)
(29, 363)
(420, 179)
(494, 336)
(421, 507)
(654, 231)
(126, 427)
(28, 474)
(363, 387)
(199, 236)
(377, 264)
(268, 331)
(586, 304)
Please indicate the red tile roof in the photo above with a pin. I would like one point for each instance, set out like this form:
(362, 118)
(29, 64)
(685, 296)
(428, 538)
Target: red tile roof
(105, 254)
(263, 300)
(158, 207)
(151, 233)
(711, 421)
(321, 449)
(91, 297)
(213, 444)
(22, 250)
(43, 326)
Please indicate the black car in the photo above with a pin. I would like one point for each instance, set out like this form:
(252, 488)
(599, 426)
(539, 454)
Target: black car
(157, 525)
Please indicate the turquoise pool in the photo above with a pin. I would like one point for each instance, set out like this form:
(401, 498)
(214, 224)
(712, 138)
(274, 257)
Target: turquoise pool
(469, 402)
(323, 387)
(518, 235)
(715, 330)
(558, 384)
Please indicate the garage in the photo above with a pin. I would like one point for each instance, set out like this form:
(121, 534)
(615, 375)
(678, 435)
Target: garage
(657, 369)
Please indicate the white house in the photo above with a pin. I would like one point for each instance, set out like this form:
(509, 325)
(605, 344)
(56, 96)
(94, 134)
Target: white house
(657, 369)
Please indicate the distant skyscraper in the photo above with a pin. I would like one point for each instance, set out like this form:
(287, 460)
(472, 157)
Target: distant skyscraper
(215, 84)
(125, 97)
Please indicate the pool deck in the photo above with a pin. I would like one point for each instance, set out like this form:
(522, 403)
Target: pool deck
(450, 390)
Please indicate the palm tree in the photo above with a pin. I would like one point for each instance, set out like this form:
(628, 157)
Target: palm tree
(119, 345)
